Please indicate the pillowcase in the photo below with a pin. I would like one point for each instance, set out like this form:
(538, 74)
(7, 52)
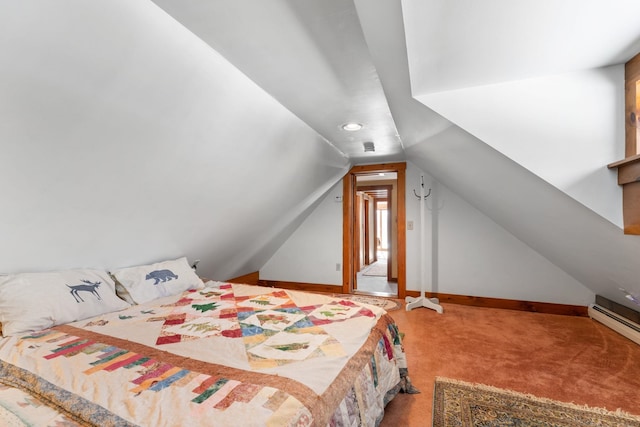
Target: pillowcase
(122, 292)
(35, 301)
(148, 282)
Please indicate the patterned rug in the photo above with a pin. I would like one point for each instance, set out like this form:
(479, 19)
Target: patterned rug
(461, 404)
(385, 303)
(378, 268)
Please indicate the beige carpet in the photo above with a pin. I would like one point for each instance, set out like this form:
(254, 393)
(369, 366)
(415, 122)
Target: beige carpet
(462, 404)
(378, 268)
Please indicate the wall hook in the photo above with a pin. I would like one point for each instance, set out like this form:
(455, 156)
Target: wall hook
(422, 185)
(425, 197)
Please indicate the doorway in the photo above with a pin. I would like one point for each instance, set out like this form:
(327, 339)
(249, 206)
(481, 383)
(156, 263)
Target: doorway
(374, 233)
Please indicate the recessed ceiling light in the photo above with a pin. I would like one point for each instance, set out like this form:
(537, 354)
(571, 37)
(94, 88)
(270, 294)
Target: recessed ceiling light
(352, 126)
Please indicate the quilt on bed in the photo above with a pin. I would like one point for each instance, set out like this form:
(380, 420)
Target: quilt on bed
(227, 354)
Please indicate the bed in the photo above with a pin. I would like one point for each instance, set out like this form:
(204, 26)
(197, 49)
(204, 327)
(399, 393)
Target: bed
(158, 350)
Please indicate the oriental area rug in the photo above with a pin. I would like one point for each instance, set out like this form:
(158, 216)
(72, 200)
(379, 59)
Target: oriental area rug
(460, 404)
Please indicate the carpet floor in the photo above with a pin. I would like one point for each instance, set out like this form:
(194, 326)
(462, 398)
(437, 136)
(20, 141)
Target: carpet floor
(564, 358)
(378, 268)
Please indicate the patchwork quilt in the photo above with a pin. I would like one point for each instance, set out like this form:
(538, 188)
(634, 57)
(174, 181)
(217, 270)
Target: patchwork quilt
(224, 355)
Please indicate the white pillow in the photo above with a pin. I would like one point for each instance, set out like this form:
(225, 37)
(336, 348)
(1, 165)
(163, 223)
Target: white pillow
(35, 301)
(122, 292)
(148, 282)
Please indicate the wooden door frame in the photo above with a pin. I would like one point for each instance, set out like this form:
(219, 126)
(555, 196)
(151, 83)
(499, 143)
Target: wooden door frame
(367, 230)
(348, 223)
(390, 200)
(357, 226)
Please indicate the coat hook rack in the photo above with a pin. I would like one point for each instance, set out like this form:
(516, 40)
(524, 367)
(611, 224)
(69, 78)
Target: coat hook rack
(422, 300)
(422, 184)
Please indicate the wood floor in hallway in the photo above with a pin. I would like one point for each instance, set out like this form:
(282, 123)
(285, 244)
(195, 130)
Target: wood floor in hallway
(565, 358)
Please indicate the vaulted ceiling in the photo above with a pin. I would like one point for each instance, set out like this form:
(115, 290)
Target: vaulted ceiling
(125, 121)
(318, 57)
(311, 56)
(506, 102)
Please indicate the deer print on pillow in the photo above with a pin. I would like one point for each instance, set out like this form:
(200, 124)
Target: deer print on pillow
(87, 286)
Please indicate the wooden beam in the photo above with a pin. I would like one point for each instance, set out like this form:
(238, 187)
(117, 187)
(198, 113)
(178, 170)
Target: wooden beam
(629, 167)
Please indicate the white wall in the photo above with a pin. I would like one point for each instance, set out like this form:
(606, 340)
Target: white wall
(576, 239)
(564, 128)
(311, 253)
(475, 255)
(125, 139)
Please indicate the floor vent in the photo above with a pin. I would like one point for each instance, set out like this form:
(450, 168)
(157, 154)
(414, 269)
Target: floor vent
(616, 322)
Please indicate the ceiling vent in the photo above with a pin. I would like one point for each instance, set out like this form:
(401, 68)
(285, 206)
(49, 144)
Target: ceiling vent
(368, 146)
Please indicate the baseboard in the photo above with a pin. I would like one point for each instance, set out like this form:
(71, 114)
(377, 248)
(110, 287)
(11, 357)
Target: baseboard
(299, 286)
(249, 279)
(508, 304)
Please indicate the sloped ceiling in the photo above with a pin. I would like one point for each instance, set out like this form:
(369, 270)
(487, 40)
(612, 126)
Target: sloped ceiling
(126, 140)
(442, 67)
(311, 56)
(540, 82)
(440, 83)
(548, 215)
(463, 43)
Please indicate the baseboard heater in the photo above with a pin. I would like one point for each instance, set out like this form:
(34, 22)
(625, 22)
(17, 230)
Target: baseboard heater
(620, 324)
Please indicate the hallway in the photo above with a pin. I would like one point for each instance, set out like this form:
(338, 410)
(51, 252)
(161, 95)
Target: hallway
(372, 279)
